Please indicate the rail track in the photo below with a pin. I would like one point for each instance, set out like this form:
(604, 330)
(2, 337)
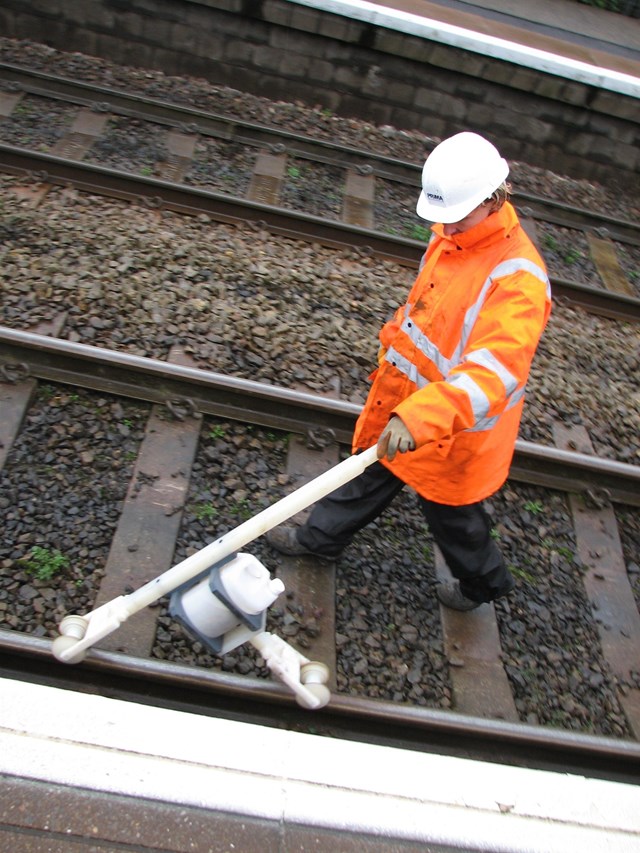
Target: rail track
(197, 162)
(484, 707)
(483, 719)
(113, 104)
(121, 458)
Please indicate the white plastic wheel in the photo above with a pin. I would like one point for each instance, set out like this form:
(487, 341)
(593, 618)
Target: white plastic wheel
(321, 693)
(314, 672)
(63, 644)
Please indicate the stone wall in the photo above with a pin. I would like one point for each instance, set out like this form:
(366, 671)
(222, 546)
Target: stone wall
(290, 52)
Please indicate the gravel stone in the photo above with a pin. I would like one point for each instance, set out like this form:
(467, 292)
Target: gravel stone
(270, 309)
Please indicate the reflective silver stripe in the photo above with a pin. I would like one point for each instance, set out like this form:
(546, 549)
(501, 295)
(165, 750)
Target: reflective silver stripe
(423, 259)
(405, 366)
(480, 403)
(485, 358)
(515, 398)
(489, 423)
(484, 425)
(509, 267)
(470, 320)
(426, 346)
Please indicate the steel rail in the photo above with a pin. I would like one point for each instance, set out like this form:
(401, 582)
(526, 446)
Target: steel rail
(422, 728)
(194, 201)
(569, 216)
(274, 407)
(215, 692)
(596, 300)
(153, 381)
(287, 223)
(192, 120)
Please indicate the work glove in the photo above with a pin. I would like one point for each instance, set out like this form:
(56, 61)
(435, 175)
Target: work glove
(395, 438)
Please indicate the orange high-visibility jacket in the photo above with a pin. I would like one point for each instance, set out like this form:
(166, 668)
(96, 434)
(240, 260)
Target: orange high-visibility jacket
(456, 357)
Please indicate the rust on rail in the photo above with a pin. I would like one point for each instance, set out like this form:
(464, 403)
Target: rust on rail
(281, 221)
(278, 408)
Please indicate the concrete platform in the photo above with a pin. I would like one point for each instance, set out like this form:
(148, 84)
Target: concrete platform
(84, 772)
(563, 37)
(568, 23)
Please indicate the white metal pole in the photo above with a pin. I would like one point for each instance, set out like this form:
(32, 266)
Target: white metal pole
(78, 633)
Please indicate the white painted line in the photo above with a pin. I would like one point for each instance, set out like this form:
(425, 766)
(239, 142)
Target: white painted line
(529, 57)
(114, 746)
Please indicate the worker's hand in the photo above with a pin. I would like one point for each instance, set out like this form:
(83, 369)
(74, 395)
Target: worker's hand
(395, 438)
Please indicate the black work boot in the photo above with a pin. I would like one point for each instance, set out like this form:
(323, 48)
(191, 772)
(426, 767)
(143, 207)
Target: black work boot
(452, 596)
(285, 540)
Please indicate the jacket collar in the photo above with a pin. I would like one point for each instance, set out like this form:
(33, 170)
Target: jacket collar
(493, 228)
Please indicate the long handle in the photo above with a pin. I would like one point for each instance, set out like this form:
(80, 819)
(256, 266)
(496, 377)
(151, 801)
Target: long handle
(81, 632)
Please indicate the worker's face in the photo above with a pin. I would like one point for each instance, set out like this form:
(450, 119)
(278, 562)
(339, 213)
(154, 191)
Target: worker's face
(477, 215)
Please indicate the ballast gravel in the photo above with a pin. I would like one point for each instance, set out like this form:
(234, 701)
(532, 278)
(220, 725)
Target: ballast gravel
(242, 302)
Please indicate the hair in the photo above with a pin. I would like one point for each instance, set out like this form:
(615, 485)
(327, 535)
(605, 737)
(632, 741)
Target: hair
(499, 196)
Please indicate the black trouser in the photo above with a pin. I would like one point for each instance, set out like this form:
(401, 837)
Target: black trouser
(463, 533)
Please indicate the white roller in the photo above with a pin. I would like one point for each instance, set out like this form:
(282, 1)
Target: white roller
(78, 633)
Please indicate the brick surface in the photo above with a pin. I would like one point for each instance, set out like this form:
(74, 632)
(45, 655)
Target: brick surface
(295, 52)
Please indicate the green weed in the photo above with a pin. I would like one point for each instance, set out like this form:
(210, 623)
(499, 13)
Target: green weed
(572, 256)
(561, 550)
(522, 574)
(242, 509)
(421, 233)
(44, 564)
(565, 552)
(204, 511)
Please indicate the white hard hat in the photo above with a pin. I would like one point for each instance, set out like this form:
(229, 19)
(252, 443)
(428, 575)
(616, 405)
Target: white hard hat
(459, 174)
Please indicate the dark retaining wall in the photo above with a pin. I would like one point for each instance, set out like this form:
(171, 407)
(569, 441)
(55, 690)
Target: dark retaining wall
(289, 52)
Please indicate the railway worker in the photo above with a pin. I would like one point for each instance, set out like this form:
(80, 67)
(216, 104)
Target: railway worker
(446, 398)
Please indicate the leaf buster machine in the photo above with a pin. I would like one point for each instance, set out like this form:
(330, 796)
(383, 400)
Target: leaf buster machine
(221, 595)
